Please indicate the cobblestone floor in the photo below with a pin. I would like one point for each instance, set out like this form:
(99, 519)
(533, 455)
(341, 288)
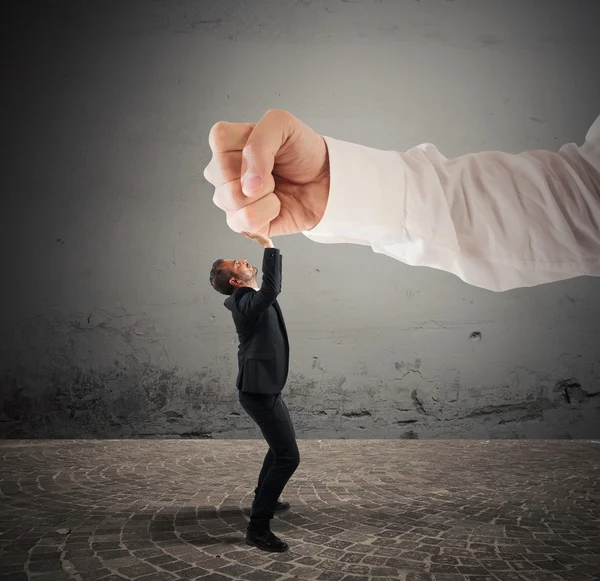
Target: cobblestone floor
(161, 510)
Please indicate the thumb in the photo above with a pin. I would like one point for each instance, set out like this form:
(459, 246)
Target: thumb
(258, 155)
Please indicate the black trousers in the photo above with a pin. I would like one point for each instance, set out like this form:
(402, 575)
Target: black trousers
(272, 417)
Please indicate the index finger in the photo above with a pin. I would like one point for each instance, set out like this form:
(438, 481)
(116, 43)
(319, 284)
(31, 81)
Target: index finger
(225, 136)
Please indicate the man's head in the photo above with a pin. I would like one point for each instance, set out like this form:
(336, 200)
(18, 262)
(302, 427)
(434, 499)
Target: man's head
(228, 274)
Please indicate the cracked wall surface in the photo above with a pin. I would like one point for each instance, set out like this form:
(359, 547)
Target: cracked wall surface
(108, 325)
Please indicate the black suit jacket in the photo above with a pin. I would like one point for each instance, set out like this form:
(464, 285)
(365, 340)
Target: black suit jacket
(264, 351)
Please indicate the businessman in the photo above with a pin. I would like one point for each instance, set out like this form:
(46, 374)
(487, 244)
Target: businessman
(263, 359)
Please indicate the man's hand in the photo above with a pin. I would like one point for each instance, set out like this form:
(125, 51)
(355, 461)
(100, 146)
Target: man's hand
(270, 178)
(262, 240)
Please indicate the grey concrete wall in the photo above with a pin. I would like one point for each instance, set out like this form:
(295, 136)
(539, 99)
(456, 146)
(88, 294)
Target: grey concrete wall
(109, 327)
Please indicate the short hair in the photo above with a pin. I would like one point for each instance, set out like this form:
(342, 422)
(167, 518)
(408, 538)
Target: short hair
(219, 278)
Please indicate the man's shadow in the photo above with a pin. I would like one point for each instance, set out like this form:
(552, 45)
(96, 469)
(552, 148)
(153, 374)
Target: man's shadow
(216, 522)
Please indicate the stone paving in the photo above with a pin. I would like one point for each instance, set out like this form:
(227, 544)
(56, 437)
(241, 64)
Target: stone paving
(362, 510)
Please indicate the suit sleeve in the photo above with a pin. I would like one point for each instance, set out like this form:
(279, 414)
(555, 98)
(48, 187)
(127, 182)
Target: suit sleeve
(253, 303)
(496, 220)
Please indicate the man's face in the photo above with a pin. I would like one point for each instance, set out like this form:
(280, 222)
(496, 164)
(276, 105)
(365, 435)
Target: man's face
(241, 271)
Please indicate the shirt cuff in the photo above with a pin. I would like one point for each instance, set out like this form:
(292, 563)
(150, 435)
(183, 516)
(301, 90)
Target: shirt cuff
(366, 196)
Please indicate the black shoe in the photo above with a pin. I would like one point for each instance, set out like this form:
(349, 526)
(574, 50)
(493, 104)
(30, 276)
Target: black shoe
(266, 541)
(281, 506)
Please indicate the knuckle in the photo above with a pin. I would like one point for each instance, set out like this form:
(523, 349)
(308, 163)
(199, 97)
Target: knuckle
(225, 196)
(280, 117)
(217, 135)
(233, 222)
(275, 113)
(207, 173)
(251, 149)
(246, 217)
(218, 200)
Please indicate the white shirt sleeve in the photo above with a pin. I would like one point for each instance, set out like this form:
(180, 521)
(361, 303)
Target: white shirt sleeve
(496, 220)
